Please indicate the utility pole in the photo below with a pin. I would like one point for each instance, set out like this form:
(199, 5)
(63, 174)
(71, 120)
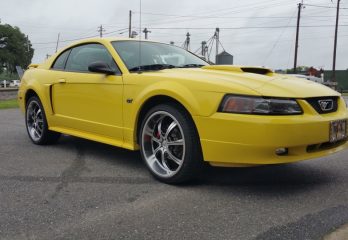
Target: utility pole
(217, 41)
(335, 43)
(146, 32)
(101, 30)
(300, 5)
(57, 42)
(187, 41)
(130, 24)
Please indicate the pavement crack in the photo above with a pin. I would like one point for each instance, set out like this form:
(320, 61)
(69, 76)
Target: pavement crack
(73, 171)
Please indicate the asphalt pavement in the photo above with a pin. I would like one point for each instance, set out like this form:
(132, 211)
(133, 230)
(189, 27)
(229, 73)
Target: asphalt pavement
(79, 189)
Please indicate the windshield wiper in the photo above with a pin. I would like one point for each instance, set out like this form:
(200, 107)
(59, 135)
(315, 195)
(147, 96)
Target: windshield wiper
(192, 65)
(151, 67)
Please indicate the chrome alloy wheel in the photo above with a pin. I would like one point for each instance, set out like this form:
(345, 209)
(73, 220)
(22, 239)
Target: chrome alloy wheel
(34, 120)
(163, 144)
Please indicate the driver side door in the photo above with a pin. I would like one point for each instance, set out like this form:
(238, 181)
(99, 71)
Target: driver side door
(86, 102)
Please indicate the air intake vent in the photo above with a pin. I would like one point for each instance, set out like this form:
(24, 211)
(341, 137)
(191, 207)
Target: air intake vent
(262, 71)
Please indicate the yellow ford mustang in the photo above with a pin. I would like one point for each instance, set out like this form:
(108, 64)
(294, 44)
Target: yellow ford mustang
(179, 110)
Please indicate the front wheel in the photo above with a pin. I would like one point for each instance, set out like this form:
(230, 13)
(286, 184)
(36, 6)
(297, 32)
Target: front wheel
(170, 144)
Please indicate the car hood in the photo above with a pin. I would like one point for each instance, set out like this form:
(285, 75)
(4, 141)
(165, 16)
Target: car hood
(262, 81)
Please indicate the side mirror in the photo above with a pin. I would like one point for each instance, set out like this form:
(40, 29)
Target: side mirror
(101, 67)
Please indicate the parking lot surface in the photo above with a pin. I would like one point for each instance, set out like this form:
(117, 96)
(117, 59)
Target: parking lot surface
(79, 189)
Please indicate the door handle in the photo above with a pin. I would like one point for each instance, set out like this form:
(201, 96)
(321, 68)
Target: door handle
(62, 80)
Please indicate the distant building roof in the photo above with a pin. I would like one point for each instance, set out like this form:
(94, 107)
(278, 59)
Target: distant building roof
(224, 58)
(224, 53)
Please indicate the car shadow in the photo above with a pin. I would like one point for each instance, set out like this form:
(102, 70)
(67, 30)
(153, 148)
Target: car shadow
(108, 154)
(285, 178)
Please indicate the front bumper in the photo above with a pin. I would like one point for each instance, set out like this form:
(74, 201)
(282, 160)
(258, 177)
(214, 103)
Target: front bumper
(239, 139)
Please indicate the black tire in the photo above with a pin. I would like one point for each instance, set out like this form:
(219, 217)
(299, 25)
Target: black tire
(46, 137)
(191, 158)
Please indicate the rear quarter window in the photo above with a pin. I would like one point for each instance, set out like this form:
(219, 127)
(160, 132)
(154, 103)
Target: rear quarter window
(59, 63)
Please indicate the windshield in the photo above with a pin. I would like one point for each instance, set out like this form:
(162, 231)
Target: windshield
(155, 56)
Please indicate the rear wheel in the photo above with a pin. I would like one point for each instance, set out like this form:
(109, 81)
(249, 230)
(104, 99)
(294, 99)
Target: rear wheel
(169, 144)
(36, 123)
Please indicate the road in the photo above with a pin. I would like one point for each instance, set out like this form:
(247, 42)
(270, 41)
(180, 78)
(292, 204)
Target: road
(79, 189)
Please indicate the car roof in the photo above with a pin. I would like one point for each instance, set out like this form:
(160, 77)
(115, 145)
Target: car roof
(106, 39)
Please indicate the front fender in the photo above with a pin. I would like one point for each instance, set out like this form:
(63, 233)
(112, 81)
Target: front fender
(33, 82)
(196, 102)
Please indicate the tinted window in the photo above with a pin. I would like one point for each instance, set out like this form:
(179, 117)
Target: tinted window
(154, 53)
(82, 56)
(60, 61)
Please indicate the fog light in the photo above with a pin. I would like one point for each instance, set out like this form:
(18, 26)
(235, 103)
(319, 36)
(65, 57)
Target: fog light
(281, 151)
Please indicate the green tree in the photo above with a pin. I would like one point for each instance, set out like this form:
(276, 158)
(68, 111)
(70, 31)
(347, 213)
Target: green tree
(15, 48)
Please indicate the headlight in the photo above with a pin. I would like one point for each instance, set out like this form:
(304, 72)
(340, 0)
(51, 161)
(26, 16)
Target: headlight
(259, 105)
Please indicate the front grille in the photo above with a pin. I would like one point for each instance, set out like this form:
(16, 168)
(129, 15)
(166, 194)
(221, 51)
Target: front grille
(323, 104)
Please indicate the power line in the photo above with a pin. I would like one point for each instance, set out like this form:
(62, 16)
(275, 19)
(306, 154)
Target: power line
(278, 39)
(76, 39)
(322, 16)
(321, 6)
(242, 9)
(67, 40)
(254, 27)
(120, 31)
(196, 16)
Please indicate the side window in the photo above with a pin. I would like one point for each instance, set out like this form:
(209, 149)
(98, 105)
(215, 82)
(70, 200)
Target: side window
(82, 56)
(60, 61)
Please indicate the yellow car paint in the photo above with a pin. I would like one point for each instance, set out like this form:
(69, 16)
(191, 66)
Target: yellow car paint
(106, 108)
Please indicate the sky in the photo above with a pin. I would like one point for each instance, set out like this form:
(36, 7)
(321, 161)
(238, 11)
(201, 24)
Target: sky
(255, 32)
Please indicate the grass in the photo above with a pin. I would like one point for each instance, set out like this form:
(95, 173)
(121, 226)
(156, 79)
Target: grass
(11, 103)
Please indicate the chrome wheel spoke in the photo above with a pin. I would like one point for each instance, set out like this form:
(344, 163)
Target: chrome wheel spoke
(158, 141)
(38, 112)
(32, 114)
(159, 128)
(175, 159)
(179, 142)
(149, 131)
(156, 150)
(154, 163)
(34, 132)
(151, 160)
(170, 128)
(162, 156)
(166, 167)
(38, 129)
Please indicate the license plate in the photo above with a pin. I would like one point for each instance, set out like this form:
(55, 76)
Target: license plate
(338, 130)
